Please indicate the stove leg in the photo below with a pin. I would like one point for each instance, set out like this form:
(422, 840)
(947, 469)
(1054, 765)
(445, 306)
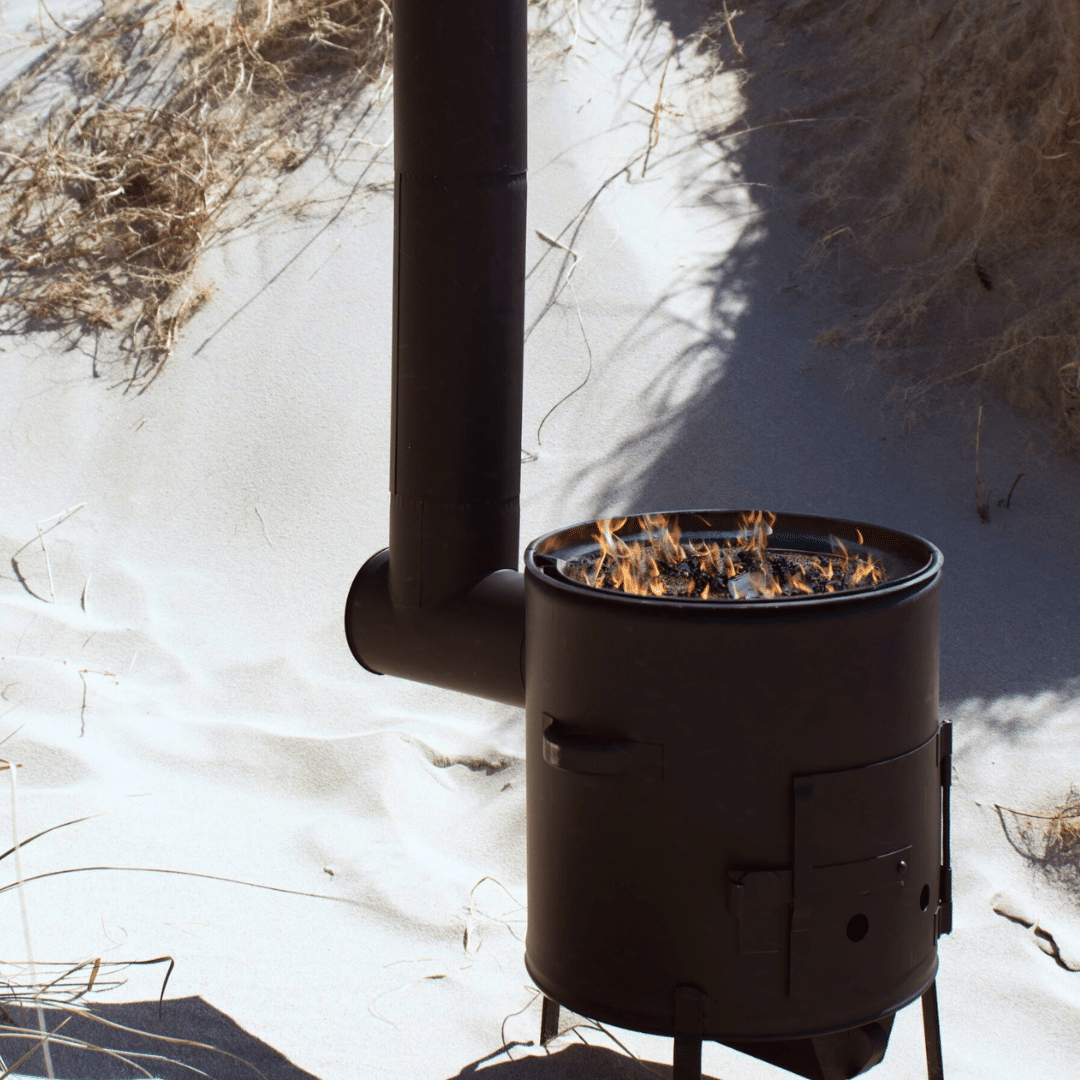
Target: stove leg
(687, 1059)
(549, 1021)
(935, 1069)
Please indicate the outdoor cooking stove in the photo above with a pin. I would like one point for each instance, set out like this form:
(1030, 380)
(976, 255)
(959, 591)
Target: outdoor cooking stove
(737, 783)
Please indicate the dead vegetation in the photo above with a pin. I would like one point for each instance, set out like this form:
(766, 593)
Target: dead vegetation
(124, 145)
(1050, 841)
(939, 144)
(49, 1027)
(38, 1001)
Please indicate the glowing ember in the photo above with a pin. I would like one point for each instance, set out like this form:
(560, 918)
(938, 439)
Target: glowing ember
(742, 567)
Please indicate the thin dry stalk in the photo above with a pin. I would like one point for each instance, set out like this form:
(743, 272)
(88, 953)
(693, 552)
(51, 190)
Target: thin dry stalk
(982, 496)
(12, 770)
(52, 990)
(657, 109)
(57, 520)
(731, 32)
(1007, 501)
(154, 123)
(83, 672)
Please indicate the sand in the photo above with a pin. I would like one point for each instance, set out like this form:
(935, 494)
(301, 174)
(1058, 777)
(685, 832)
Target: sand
(185, 677)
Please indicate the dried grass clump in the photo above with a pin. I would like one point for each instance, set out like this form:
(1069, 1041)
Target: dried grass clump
(1049, 841)
(943, 151)
(123, 146)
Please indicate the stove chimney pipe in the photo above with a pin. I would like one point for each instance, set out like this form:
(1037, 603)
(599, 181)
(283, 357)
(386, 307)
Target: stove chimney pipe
(445, 604)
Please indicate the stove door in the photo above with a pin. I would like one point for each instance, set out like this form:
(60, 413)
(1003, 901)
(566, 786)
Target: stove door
(865, 878)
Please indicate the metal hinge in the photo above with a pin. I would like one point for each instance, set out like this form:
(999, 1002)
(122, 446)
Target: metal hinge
(945, 910)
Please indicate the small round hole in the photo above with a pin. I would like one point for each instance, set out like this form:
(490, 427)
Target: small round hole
(857, 927)
(924, 897)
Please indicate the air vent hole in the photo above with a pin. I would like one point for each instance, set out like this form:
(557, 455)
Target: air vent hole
(857, 927)
(924, 897)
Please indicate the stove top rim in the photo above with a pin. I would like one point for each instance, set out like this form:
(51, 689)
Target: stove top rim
(546, 564)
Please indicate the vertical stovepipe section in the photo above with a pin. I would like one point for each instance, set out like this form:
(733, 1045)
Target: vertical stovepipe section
(459, 293)
(445, 604)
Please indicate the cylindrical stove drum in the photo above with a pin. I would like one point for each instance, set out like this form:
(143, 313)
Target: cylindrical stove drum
(735, 807)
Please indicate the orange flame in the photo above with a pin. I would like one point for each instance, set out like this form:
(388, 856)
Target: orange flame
(658, 563)
(845, 558)
(866, 568)
(798, 581)
(755, 528)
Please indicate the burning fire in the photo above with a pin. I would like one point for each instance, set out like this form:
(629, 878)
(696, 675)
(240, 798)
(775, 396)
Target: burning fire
(738, 568)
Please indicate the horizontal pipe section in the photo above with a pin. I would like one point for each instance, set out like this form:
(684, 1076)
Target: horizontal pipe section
(473, 644)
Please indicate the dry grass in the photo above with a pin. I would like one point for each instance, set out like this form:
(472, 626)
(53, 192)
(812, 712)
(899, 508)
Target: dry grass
(943, 153)
(1049, 841)
(122, 147)
(26, 1049)
(54, 995)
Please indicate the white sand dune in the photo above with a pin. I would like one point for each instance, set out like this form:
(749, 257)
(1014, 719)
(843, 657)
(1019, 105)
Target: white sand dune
(179, 667)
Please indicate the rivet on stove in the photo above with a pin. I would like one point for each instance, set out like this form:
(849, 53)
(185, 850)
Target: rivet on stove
(901, 866)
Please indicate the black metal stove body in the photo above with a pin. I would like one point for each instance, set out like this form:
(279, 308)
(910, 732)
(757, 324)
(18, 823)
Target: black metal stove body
(735, 808)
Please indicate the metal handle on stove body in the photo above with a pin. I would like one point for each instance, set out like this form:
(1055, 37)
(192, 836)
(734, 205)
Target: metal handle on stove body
(590, 756)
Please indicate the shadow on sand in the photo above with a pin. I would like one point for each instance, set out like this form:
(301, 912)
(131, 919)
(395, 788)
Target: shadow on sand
(777, 422)
(575, 1062)
(236, 1054)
